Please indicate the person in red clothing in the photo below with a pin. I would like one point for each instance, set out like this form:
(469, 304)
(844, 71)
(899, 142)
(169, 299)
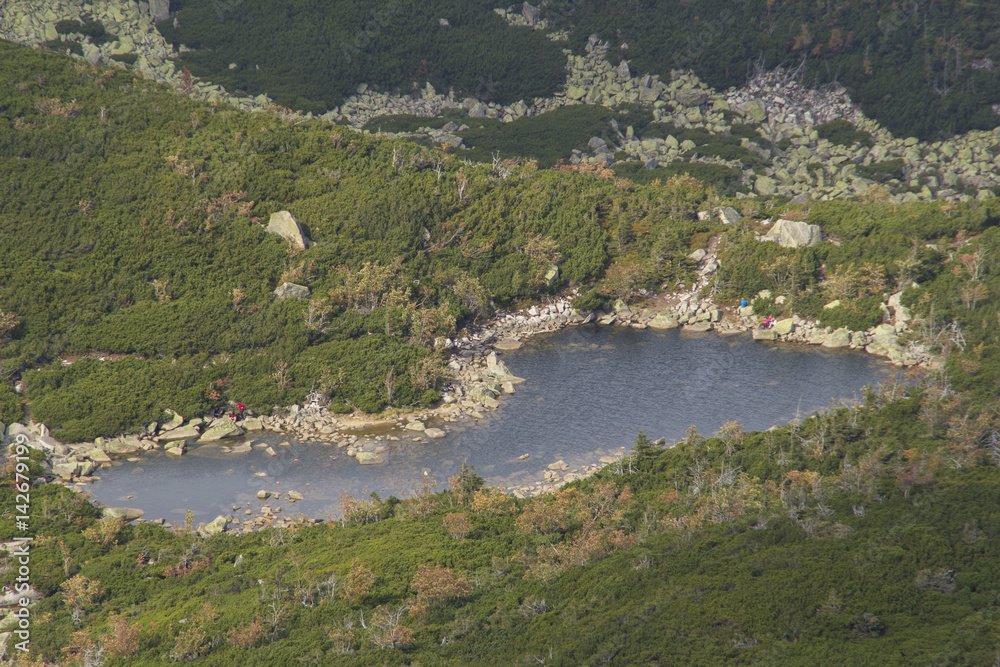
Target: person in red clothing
(239, 407)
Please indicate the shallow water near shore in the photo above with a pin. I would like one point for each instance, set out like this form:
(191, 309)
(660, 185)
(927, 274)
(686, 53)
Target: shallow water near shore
(589, 391)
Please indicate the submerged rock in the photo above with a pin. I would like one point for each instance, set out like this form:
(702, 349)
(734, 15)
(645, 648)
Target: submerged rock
(369, 458)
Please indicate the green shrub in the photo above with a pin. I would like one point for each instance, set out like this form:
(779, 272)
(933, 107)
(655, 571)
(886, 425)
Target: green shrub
(588, 302)
(855, 314)
(883, 171)
(844, 133)
(10, 405)
(314, 58)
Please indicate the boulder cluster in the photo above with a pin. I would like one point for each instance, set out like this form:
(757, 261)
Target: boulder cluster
(799, 162)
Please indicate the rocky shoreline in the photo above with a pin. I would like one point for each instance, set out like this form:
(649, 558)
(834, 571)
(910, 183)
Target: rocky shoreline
(480, 380)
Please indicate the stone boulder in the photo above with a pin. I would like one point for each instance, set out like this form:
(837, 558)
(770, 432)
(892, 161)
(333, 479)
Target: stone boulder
(837, 339)
(226, 428)
(885, 345)
(369, 458)
(175, 421)
(216, 526)
(16, 429)
(434, 433)
(793, 234)
(159, 10)
(663, 321)
(251, 424)
(692, 97)
(123, 447)
(551, 276)
(729, 216)
(292, 291)
(98, 455)
(183, 433)
(496, 367)
(66, 469)
(287, 227)
(765, 334)
(765, 185)
(784, 327)
(127, 513)
(754, 110)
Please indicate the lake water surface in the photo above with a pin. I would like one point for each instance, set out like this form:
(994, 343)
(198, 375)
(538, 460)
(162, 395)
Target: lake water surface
(590, 390)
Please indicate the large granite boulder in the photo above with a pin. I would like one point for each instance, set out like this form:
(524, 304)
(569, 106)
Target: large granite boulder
(663, 321)
(692, 97)
(287, 227)
(369, 458)
(251, 424)
(838, 338)
(123, 447)
(496, 367)
(225, 428)
(793, 234)
(292, 291)
(729, 216)
(188, 432)
(159, 10)
(765, 185)
(66, 469)
(127, 513)
(174, 422)
(16, 429)
(885, 345)
(216, 526)
(754, 110)
(784, 327)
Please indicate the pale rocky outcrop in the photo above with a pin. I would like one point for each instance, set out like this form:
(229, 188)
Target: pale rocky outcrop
(369, 458)
(287, 227)
(218, 525)
(292, 291)
(838, 338)
(127, 513)
(223, 428)
(174, 422)
(793, 234)
(188, 432)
